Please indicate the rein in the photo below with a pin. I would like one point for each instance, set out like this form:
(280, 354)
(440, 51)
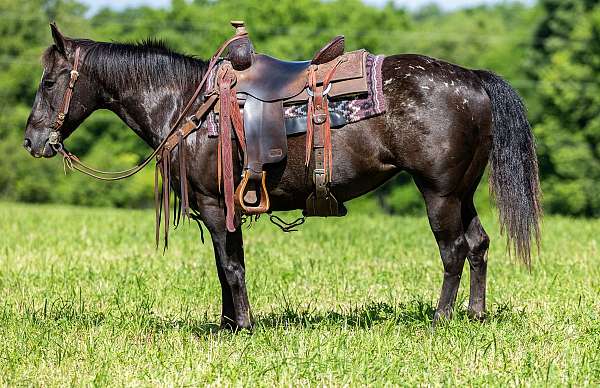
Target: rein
(162, 152)
(72, 161)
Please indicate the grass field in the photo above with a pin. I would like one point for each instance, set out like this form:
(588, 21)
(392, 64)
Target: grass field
(86, 300)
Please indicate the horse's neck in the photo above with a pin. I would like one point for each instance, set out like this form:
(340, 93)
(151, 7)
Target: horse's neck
(150, 110)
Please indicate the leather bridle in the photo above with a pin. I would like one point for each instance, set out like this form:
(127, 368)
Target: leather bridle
(55, 137)
(162, 152)
(170, 141)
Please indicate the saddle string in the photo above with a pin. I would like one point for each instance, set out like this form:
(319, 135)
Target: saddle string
(157, 207)
(185, 211)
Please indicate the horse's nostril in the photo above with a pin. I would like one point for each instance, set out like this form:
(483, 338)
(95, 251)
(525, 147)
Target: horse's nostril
(27, 144)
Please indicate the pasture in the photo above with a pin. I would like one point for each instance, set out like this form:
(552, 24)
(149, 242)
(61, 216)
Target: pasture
(85, 299)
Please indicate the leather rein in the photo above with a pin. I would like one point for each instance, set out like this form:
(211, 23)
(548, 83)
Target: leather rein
(71, 161)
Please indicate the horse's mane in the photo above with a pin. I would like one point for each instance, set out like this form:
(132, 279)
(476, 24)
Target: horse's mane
(130, 65)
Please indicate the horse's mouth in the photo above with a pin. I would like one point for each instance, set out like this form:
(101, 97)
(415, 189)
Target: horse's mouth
(47, 152)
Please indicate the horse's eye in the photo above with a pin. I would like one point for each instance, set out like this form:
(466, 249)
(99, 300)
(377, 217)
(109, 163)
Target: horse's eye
(48, 83)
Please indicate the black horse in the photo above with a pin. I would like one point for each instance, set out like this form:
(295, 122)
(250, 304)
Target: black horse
(443, 123)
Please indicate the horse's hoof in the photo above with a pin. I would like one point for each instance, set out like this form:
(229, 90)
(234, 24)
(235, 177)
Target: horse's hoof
(477, 315)
(441, 316)
(236, 327)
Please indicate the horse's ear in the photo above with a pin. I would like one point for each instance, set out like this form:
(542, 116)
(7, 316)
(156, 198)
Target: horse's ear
(60, 41)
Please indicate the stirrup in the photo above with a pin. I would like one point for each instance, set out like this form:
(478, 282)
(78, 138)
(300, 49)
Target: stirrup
(241, 192)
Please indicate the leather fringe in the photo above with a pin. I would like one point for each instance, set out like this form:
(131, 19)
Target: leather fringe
(226, 149)
(230, 120)
(183, 191)
(162, 196)
(157, 202)
(312, 84)
(166, 196)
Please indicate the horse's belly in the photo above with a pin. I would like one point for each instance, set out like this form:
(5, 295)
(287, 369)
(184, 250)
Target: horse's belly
(361, 162)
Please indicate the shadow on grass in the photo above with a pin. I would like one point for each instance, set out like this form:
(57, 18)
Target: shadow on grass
(62, 313)
(417, 313)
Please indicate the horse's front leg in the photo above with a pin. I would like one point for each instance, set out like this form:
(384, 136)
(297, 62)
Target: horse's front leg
(229, 256)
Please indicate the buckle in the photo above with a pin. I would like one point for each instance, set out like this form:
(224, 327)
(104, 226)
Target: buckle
(194, 119)
(74, 77)
(312, 94)
(54, 138)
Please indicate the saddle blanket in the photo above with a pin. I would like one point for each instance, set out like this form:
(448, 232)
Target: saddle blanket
(342, 111)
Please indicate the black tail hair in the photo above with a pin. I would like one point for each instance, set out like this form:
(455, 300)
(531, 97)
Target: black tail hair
(514, 178)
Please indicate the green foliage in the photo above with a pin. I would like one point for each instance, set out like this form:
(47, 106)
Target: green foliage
(88, 301)
(568, 53)
(556, 43)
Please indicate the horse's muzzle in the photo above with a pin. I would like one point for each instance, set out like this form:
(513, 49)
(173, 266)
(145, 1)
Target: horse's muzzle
(47, 151)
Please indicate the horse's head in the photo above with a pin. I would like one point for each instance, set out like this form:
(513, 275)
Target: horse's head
(49, 103)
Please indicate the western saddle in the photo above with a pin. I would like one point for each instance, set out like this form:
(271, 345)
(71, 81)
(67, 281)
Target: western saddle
(262, 87)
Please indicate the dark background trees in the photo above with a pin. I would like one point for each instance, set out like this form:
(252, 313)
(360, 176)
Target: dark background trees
(550, 52)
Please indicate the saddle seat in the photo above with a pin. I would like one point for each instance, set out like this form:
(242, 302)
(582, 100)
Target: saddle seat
(269, 79)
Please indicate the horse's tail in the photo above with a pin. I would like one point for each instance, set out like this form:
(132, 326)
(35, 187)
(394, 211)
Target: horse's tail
(514, 178)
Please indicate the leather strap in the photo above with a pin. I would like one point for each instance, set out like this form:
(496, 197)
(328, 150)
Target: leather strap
(318, 143)
(225, 80)
(66, 103)
(318, 125)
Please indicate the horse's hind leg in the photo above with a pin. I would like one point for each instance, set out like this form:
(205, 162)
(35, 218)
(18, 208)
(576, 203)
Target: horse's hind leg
(444, 214)
(478, 242)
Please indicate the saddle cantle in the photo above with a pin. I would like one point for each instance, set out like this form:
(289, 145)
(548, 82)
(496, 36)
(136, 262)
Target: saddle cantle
(263, 87)
(330, 51)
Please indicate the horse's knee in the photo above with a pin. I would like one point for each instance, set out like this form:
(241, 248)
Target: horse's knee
(234, 273)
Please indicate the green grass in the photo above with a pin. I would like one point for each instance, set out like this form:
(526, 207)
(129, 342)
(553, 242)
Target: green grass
(86, 300)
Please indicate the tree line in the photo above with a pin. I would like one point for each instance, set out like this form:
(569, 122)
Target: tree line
(550, 52)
